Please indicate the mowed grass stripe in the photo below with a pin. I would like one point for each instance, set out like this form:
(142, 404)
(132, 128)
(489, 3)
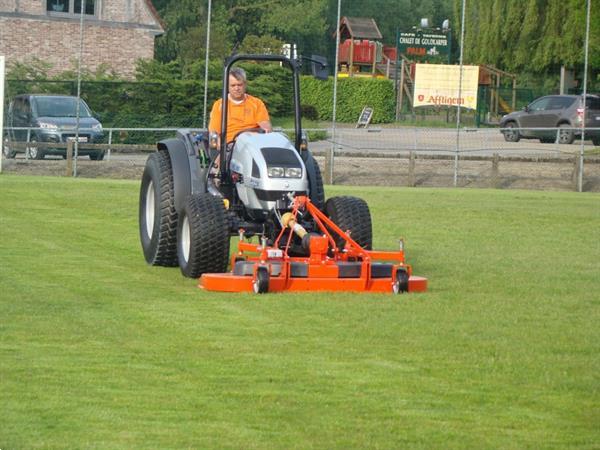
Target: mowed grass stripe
(99, 350)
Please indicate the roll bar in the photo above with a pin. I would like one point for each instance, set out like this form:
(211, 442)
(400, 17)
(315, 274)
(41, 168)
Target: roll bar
(294, 65)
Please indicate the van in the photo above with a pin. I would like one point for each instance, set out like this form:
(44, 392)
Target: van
(51, 118)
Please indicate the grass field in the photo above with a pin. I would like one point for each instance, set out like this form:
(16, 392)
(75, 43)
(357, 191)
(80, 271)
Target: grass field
(99, 350)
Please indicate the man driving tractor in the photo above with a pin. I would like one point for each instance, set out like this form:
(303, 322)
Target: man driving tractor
(244, 111)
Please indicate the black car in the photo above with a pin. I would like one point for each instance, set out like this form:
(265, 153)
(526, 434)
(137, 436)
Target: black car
(562, 112)
(52, 118)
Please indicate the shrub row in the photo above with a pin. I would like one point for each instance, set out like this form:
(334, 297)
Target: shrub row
(158, 103)
(352, 95)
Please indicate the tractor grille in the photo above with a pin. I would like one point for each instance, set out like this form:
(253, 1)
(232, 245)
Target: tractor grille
(273, 196)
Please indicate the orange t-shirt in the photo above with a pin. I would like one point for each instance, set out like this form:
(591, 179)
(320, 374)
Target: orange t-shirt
(247, 114)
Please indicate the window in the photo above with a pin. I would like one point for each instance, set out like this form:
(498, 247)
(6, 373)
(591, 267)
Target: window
(539, 105)
(560, 102)
(72, 7)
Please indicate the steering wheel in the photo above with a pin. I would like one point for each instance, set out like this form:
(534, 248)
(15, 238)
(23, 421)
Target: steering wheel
(245, 130)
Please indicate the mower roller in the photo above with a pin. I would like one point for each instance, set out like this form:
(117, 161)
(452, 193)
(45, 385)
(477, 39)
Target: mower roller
(198, 191)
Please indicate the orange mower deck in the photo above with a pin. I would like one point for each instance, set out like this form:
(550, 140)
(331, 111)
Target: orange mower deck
(260, 268)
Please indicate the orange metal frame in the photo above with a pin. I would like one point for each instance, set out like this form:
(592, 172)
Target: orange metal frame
(322, 263)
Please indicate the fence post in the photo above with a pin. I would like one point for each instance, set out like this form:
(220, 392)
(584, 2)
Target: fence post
(109, 142)
(328, 166)
(411, 169)
(575, 176)
(69, 172)
(495, 178)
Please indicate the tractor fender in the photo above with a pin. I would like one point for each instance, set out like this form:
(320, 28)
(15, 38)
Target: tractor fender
(187, 174)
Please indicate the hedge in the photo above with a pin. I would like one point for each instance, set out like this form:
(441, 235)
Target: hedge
(352, 95)
(177, 102)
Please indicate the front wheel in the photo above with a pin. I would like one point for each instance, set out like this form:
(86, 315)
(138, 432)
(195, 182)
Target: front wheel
(7, 152)
(33, 151)
(260, 285)
(401, 283)
(511, 133)
(203, 236)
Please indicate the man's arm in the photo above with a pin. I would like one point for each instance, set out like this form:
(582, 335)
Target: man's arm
(262, 116)
(265, 125)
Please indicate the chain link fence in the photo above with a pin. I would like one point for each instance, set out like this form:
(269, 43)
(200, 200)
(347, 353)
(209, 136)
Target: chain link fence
(390, 156)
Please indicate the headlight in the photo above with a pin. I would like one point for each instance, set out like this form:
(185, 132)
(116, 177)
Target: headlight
(275, 172)
(97, 127)
(284, 172)
(293, 172)
(48, 126)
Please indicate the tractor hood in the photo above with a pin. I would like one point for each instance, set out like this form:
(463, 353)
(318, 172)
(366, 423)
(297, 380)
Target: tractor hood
(266, 168)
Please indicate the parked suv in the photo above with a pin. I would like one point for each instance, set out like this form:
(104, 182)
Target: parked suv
(52, 119)
(554, 111)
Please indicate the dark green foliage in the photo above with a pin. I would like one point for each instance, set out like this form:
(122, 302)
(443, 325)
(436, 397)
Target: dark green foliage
(352, 95)
(533, 36)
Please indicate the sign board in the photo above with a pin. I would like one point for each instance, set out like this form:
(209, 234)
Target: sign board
(365, 117)
(438, 85)
(423, 43)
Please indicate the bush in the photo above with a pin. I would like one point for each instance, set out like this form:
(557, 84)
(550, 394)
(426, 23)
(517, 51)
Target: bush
(352, 95)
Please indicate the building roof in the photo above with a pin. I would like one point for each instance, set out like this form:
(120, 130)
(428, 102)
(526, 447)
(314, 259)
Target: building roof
(359, 28)
(154, 12)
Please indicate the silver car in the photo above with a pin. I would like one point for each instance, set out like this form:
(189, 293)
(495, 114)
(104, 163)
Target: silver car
(51, 118)
(562, 112)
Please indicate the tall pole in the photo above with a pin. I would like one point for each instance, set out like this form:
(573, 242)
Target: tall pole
(206, 64)
(460, 78)
(1, 110)
(585, 71)
(77, 113)
(335, 80)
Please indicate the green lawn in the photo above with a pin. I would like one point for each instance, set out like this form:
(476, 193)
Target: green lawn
(99, 350)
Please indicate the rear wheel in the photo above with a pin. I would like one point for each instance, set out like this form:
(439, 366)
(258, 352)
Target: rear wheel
(596, 141)
(351, 214)
(511, 134)
(565, 134)
(97, 156)
(203, 236)
(157, 214)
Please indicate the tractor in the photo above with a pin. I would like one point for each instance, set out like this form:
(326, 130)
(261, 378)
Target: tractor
(266, 187)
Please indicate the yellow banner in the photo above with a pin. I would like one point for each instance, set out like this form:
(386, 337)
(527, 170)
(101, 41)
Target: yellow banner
(438, 85)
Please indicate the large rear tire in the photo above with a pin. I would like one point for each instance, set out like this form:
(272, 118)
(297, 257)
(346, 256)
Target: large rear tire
(203, 236)
(351, 214)
(157, 214)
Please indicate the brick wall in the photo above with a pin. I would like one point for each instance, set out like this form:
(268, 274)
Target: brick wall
(122, 32)
(58, 43)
